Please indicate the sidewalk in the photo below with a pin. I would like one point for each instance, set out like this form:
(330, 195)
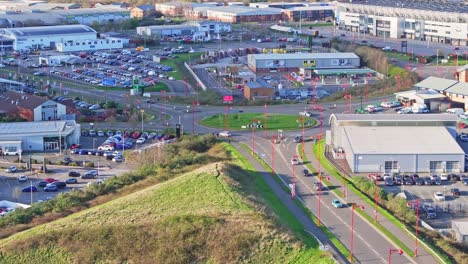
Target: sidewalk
(423, 255)
(298, 213)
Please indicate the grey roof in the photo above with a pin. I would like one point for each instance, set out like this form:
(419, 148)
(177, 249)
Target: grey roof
(258, 83)
(161, 27)
(50, 30)
(435, 83)
(300, 56)
(440, 6)
(146, 7)
(462, 68)
(18, 129)
(395, 140)
(459, 88)
(461, 226)
(395, 117)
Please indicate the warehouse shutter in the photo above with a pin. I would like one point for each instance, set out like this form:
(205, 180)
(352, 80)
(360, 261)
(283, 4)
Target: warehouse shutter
(391, 166)
(435, 166)
(453, 166)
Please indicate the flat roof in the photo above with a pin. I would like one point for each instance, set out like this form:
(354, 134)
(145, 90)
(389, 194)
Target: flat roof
(435, 83)
(161, 27)
(462, 226)
(424, 94)
(50, 30)
(300, 56)
(18, 129)
(458, 88)
(454, 6)
(395, 117)
(395, 140)
(462, 68)
(245, 10)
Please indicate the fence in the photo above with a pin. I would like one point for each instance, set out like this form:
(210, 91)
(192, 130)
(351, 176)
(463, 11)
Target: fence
(202, 85)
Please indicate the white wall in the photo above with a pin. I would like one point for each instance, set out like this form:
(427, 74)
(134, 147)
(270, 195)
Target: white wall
(45, 41)
(94, 44)
(49, 108)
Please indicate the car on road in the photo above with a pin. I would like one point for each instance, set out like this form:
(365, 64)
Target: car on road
(51, 188)
(225, 134)
(31, 188)
(336, 203)
(306, 172)
(318, 186)
(455, 191)
(22, 178)
(71, 181)
(11, 169)
(439, 196)
(294, 161)
(297, 139)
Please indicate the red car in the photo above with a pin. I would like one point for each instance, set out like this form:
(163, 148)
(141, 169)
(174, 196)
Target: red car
(136, 135)
(75, 146)
(50, 180)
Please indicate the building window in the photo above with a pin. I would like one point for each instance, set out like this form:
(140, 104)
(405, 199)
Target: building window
(42, 116)
(453, 166)
(391, 166)
(435, 166)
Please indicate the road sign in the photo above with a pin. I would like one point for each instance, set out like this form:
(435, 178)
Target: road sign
(108, 82)
(227, 98)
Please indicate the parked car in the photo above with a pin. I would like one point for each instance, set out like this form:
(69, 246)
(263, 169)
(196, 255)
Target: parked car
(428, 181)
(88, 176)
(75, 146)
(439, 196)
(92, 133)
(59, 184)
(74, 174)
(455, 191)
(11, 169)
(430, 213)
(31, 188)
(100, 133)
(42, 184)
(140, 140)
(22, 178)
(118, 159)
(71, 181)
(6, 211)
(50, 180)
(51, 188)
(337, 204)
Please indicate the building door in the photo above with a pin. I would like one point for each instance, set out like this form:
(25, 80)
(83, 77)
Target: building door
(435, 166)
(391, 166)
(51, 146)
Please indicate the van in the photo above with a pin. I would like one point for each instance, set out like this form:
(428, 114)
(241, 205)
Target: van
(456, 111)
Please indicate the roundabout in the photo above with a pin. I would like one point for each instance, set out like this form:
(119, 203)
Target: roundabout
(244, 121)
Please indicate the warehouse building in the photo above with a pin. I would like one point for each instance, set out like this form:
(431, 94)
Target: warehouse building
(396, 143)
(167, 30)
(295, 61)
(240, 14)
(429, 21)
(16, 137)
(69, 38)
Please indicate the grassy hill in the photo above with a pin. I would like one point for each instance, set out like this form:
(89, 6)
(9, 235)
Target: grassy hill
(205, 216)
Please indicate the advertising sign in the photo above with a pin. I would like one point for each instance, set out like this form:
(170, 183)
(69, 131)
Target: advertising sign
(227, 98)
(308, 63)
(108, 82)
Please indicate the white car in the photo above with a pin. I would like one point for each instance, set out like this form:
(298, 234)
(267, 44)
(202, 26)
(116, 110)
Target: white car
(22, 178)
(117, 153)
(92, 133)
(6, 211)
(140, 140)
(100, 133)
(439, 196)
(225, 134)
(105, 147)
(94, 107)
(11, 169)
(171, 78)
(294, 161)
(118, 159)
(109, 133)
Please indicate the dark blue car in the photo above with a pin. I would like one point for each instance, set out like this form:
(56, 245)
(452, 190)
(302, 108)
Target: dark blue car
(30, 189)
(83, 152)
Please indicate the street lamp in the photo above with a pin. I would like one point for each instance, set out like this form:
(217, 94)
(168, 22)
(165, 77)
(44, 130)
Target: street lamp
(373, 177)
(352, 230)
(301, 119)
(272, 154)
(391, 251)
(94, 143)
(142, 117)
(253, 134)
(415, 203)
(345, 185)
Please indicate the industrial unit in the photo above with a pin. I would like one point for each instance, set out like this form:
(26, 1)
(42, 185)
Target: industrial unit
(295, 61)
(429, 21)
(240, 14)
(51, 36)
(38, 136)
(186, 29)
(396, 143)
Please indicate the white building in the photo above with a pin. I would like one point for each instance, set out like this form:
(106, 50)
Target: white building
(460, 231)
(430, 21)
(212, 27)
(90, 44)
(39, 136)
(396, 143)
(38, 37)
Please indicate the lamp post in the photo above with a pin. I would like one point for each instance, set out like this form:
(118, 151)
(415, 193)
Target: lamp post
(345, 182)
(94, 143)
(373, 177)
(293, 182)
(352, 230)
(253, 134)
(272, 154)
(142, 118)
(415, 203)
(391, 251)
(301, 119)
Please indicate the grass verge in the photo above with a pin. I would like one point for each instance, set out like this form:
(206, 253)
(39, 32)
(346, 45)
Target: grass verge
(272, 122)
(177, 64)
(337, 243)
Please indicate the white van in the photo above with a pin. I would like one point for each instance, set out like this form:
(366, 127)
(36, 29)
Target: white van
(456, 111)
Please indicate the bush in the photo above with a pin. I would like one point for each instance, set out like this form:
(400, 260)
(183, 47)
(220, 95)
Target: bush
(59, 162)
(89, 164)
(73, 164)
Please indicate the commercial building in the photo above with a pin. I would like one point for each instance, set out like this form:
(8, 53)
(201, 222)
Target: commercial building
(310, 13)
(396, 143)
(142, 11)
(240, 14)
(39, 136)
(422, 20)
(65, 38)
(167, 30)
(460, 231)
(462, 74)
(258, 89)
(456, 92)
(294, 61)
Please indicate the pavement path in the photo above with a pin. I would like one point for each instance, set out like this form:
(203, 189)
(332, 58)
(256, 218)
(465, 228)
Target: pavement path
(298, 213)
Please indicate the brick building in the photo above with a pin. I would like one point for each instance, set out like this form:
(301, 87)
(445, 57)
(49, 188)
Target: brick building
(258, 89)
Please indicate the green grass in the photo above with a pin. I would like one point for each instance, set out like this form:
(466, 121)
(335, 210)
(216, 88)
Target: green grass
(397, 55)
(177, 64)
(216, 214)
(306, 210)
(157, 88)
(461, 62)
(274, 121)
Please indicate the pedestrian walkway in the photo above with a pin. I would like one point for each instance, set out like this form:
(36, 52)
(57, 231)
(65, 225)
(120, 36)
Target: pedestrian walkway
(351, 197)
(298, 213)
